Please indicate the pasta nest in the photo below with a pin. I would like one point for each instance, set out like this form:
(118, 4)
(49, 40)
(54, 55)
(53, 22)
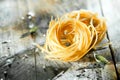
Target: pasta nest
(73, 35)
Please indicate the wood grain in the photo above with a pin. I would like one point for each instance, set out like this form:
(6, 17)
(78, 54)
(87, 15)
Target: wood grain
(112, 16)
(28, 63)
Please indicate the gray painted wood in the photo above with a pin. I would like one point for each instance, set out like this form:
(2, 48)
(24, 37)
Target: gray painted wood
(12, 45)
(29, 64)
(88, 73)
(113, 17)
(10, 34)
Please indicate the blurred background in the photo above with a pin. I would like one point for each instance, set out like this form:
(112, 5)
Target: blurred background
(14, 10)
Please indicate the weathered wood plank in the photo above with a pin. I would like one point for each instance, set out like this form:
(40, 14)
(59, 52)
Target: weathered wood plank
(7, 19)
(88, 73)
(14, 45)
(10, 34)
(26, 68)
(113, 17)
(80, 74)
(23, 68)
(112, 12)
(7, 8)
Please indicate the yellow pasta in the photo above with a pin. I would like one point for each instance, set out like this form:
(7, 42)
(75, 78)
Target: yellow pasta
(90, 18)
(73, 35)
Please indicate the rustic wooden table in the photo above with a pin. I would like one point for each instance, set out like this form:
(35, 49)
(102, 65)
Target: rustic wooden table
(20, 60)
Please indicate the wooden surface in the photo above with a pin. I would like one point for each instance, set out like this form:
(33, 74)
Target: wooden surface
(20, 60)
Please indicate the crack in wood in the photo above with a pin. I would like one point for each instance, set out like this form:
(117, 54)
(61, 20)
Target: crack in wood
(33, 38)
(110, 46)
(36, 68)
(35, 60)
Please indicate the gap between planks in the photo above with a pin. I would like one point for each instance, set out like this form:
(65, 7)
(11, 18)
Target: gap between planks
(110, 45)
(56, 62)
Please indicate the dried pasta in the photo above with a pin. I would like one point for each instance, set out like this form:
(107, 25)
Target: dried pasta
(73, 35)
